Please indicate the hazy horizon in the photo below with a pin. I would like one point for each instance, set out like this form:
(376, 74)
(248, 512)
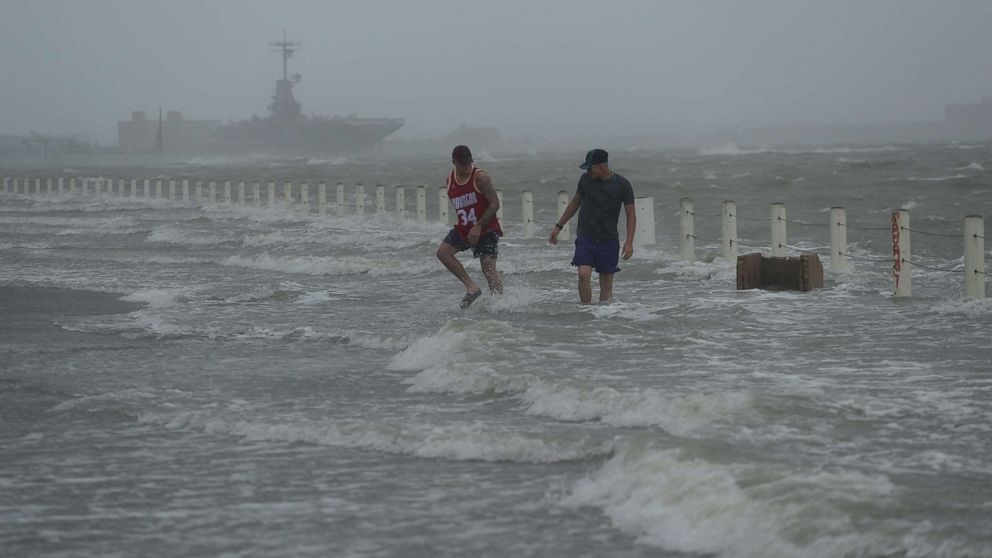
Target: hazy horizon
(554, 70)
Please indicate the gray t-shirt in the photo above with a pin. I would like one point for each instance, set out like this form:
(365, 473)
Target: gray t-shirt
(601, 203)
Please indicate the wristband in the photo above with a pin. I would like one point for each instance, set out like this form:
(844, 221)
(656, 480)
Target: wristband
(559, 226)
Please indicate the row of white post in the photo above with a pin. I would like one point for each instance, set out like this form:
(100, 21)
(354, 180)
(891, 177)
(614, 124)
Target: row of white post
(207, 192)
(973, 232)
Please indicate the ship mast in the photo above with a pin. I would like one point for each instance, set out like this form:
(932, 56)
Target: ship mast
(287, 51)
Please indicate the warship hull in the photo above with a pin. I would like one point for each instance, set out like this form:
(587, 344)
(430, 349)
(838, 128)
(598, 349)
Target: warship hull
(307, 137)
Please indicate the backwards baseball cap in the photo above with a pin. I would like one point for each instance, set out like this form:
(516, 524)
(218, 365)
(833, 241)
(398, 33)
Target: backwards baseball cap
(462, 154)
(595, 157)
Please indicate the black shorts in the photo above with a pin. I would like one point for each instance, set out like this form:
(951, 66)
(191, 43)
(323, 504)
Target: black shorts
(488, 244)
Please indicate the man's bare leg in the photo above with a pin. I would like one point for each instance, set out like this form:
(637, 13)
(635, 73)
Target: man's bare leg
(605, 286)
(488, 264)
(446, 253)
(585, 284)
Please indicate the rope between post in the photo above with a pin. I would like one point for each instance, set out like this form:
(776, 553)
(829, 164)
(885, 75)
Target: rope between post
(928, 233)
(948, 270)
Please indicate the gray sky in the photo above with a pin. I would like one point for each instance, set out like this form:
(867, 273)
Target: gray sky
(543, 68)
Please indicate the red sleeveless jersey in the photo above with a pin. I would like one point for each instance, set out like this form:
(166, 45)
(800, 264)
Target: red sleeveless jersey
(469, 204)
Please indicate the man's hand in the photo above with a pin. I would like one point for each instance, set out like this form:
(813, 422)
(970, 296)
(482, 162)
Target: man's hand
(473, 235)
(628, 250)
(553, 239)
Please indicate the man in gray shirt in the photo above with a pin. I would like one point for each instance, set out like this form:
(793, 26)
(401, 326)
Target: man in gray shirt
(598, 198)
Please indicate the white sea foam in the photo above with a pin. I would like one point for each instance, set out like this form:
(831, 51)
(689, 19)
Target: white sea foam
(172, 234)
(935, 178)
(323, 265)
(460, 442)
(689, 505)
(157, 298)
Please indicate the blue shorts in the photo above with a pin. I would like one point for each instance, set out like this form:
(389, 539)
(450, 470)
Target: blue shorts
(601, 255)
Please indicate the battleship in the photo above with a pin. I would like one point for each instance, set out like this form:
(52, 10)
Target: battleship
(285, 132)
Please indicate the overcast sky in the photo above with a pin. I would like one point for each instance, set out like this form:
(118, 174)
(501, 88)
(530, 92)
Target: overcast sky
(529, 67)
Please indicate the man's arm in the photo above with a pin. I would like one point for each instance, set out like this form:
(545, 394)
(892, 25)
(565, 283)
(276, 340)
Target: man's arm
(568, 213)
(485, 184)
(628, 245)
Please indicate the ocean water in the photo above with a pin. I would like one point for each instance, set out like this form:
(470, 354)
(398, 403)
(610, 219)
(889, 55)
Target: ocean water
(182, 379)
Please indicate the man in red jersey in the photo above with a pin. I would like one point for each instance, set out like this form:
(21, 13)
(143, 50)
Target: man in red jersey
(475, 202)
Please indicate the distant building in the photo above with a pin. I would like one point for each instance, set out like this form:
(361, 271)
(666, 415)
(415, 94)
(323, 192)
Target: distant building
(141, 135)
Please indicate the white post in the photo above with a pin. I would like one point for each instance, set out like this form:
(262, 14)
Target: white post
(305, 197)
(148, 187)
(256, 193)
(400, 203)
(838, 240)
(442, 205)
(271, 200)
(779, 235)
(565, 232)
(728, 221)
(48, 186)
(134, 188)
(687, 221)
(72, 185)
(172, 190)
(158, 187)
(6, 184)
(644, 234)
(359, 199)
(199, 192)
(902, 269)
(227, 192)
(322, 198)
(241, 192)
(213, 191)
(974, 256)
(37, 186)
(185, 189)
(340, 199)
(62, 185)
(14, 184)
(287, 195)
(421, 204)
(527, 213)
(380, 199)
(499, 212)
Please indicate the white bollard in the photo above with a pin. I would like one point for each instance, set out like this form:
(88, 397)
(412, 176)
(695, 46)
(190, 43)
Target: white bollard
(241, 192)
(974, 256)
(322, 198)
(499, 212)
(256, 193)
(779, 234)
(359, 199)
(212, 192)
(728, 222)
(287, 195)
(527, 213)
(72, 185)
(644, 234)
(400, 203)
(902, 269)
(134, 188)
(565, 232)
(421, 204)
(227, 192)
(62, 185)
(687, 222)
(838, 240)
(158, 188)
(37, 186)
(148, 187)
(48, 186)
(340, 200)
(172, 189)
(199, 192)
(380, 199)
(185, 189)
(6, 184)
(442, 205)
(121, 187)
(305, 197)
(271, 200)
(13, 185)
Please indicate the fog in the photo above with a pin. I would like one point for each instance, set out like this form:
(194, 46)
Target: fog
(548, 69)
